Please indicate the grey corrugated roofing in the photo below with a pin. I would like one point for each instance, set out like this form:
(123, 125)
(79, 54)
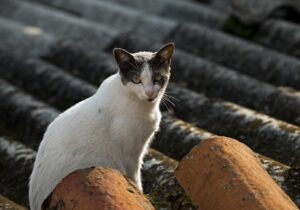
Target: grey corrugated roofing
(231, 79)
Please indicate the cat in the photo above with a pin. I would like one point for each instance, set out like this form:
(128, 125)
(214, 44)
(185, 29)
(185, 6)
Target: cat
(112, 128)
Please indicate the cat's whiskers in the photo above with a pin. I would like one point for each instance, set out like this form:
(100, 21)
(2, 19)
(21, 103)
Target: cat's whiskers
(167, 100)
(163, 101)
(170, 97)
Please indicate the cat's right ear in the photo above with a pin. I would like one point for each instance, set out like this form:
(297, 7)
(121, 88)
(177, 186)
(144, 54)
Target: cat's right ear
(122, 56)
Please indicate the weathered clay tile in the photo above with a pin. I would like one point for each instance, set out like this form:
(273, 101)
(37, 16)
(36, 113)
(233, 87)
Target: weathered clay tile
(96, 188)
(160, 183)
(222, 173)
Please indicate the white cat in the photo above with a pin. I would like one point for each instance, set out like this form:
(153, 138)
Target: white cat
(112, 128)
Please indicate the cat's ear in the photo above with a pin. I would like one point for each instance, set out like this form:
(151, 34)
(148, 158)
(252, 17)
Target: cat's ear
(122, 56)
(165, 53)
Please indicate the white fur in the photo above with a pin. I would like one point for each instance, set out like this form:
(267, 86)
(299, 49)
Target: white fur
(110, 129)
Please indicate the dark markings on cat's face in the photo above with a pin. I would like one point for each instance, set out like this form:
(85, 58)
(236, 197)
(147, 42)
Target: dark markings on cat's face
(131, 65)
(130, 70)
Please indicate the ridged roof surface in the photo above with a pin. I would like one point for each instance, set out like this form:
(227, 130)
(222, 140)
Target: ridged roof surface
(234, 75)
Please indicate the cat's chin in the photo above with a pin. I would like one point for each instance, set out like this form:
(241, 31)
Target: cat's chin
(151, 99)
(148, 100)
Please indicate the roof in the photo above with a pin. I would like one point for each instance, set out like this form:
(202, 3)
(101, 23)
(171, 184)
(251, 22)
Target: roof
(234, 77)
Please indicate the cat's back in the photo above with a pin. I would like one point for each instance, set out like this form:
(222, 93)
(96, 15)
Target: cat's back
(79, 125)
(80, 120)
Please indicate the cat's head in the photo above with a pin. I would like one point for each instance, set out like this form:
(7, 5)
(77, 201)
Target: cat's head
(145, 74)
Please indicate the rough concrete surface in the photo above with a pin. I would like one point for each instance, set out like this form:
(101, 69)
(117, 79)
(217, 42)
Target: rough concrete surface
(223, 174)
(96, 188)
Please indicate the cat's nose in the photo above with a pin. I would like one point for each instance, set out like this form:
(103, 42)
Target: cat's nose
(149, 91)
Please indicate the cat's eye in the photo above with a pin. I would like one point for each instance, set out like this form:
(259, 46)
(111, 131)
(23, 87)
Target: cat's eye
(157, 77)
(136, 80)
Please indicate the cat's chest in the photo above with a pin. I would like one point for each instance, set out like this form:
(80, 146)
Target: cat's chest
(137, 125)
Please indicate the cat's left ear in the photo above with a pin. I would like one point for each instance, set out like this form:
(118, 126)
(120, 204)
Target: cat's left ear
(165, 53)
